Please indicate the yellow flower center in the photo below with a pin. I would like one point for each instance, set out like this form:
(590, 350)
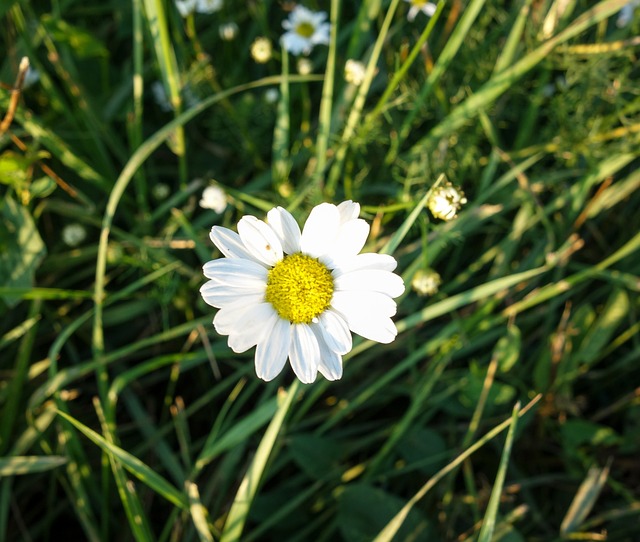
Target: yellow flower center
(300, 288)
(418, 3)
(305, 30)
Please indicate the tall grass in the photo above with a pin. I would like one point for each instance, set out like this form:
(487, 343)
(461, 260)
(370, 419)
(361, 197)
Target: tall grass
(506, 409)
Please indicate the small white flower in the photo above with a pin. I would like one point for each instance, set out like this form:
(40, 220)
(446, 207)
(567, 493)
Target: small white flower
(261, 50)
(209, 6)
(73, 234)
(626, 13)
(354, 71)
(187, 7)
(213, 197)
(228, 31)
(304, 66)
(160, 191)
(418, 6)
(271, 95)
(446, 201)
(297, 295)
(305, 28)
(426, 282)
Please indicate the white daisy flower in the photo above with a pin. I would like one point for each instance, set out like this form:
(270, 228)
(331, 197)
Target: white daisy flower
(261, 50)
(187, 7)
(228, 31)
(304, 66)
(73, 234)
(446, 201)
(305, 28)
(297, 295)
(271, 95)
(209, 6)
(354, 72)
(418, 6)
(426, 282)
(213, 197)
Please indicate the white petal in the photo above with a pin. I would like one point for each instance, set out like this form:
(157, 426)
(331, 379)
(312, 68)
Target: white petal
(364, 303)
(369, 260)
(260, 240)
(335, 332)
(286, 229)
(230, 244)
(379, 329)
(372, 280)
(294, 43)
(350, 239)
(304, 353)
(231, 315)
(273, 350)
(230, 270)
(320, 230)
(330, 365)
(219, 295)
(252, 328)
(348, 210)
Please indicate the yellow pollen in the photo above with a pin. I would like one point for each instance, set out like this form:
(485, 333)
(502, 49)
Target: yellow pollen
(300, 288)
(306, 30)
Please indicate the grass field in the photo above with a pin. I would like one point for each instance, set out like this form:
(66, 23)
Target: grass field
(508, 406)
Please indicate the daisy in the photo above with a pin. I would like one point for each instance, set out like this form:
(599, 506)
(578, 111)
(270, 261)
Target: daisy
(417, 6)
(354, 72)
(446, 201)
(187, 7)
(261, 50)
(73, 234)
(305, 28)
(297, 294)
(228, 31)
(213, 197)
(426, 282)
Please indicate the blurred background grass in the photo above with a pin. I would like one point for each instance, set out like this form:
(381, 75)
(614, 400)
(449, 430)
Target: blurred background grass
(508, 406)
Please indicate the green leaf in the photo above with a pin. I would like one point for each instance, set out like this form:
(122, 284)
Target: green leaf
(507, 350)
(363, 510)
(424, 448)
(42, 187)
(317, 456)
(11, 466)
(578, 432)
(21, 248)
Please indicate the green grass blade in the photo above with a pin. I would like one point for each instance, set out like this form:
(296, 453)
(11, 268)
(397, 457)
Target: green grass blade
(136, 467)
(503, 80)
(237, 516)
(387, 534)
(237, 434)
(489, 522)
(19, 465)
(584, 500)
(358, 104)
(198, 513)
